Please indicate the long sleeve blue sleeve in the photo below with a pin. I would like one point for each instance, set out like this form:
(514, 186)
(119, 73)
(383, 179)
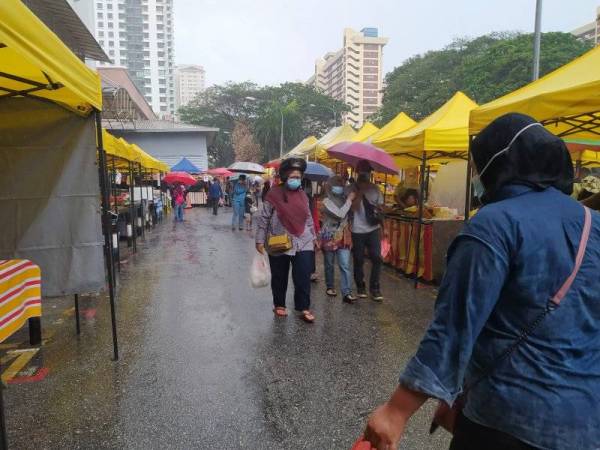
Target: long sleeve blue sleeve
(468, 294)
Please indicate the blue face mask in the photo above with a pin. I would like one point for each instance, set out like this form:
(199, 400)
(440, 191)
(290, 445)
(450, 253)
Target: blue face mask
(293, 183)
(478, 188)
(337, 190)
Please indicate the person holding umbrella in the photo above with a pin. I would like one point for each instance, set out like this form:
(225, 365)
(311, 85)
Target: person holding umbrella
(238, 201)
(215, 195)
(366, 231)
(285, 230)
(178, 196)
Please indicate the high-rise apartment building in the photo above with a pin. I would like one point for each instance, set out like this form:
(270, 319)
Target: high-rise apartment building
(589, 32)
(189, 81)
(138, 35)
(353, 74)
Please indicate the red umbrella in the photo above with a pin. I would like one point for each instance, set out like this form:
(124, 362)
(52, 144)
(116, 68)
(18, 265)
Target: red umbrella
(353, 152)
(220, 172)
(274, 164)
(179, 177)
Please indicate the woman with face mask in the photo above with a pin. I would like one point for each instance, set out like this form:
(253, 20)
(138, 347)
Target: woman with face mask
(516, 328)
(335, 237)
(285, 219)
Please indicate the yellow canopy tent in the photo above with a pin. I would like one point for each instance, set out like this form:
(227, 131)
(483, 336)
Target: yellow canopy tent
(34, 62)
(367, 130)
(334, 136)
(566, 101)
(397, 125)
(302, 148)
(36, 65)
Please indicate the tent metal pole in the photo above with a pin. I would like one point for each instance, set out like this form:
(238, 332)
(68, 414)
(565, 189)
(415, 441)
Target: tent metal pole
(3, 436)
(140, 172)
(113, 182)
(107, 232)
(77, 324)
(468, 182)
(419, 224)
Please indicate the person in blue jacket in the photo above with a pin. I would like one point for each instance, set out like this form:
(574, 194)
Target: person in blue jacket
(530, 365)
(238, 201)
(215, 195)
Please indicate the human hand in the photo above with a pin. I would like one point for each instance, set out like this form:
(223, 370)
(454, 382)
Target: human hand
(260, 248)
(317, 244)
(385, 427)
(352, 196)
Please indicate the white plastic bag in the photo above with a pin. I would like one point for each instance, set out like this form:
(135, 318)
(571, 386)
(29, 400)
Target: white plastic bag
(260, 272)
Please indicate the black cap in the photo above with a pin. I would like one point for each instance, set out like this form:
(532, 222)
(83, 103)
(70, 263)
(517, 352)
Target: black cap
(290, 164)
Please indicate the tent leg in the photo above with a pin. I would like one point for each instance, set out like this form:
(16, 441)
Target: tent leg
(107, 233)
(3, 437)
(420, 219)
(468, 183)
(77, 324)
(132, 221)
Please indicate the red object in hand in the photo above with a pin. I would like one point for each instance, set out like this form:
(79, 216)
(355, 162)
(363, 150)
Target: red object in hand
(361, 444)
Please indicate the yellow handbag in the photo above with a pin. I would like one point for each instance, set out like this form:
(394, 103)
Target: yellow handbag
(278, 243)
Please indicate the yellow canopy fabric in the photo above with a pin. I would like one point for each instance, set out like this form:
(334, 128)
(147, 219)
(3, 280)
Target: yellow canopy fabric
(588, 158)
(570, 91)
(445, 130)
(334, 136)
(31, 52)
(367, 130)
(399, 124)
(303, 147)
(149, 162)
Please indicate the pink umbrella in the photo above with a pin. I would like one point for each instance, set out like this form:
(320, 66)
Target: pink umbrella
(353, 152)
(220, 172)
(179, 177)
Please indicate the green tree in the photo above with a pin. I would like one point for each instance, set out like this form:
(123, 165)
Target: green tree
(484, 68)
(305, 111)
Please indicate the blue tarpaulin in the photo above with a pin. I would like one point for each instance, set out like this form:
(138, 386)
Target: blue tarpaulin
(185, 165)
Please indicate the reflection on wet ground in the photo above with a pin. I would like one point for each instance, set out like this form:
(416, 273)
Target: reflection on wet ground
(204, 364)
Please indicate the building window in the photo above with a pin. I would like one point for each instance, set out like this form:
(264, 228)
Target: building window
(123, 62)
(371, 55)
(146, 35)
(100, 24)
(110, 25)
(371, 62)
(147, 54)
(147, 72)
(161, 54)
(370, 78)
(163, 99)
(123, 44)
(159, 18)
(163, 108)
(159, 27)
(99, 5)
(148, 90)
(371, 46)
(369, 101)
(100, 15)
(371, 70)
(160, 36)
(145, 26)
(109, 16)
(162, 90)
(111, 34)
(370, 86)
(109, 6)
(101, 33)
(370, 109)
(111, 53)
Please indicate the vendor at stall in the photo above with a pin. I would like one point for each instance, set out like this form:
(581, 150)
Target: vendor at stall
(407, 201)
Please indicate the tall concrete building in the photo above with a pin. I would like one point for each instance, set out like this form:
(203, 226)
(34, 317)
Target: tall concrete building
(189, 81)
(353, 74)
(138, 35)
(590, 31)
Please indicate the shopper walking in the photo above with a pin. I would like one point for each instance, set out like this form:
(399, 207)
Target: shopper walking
(238, 200)
(215, 195)
(285, 228)
(178, 194)
(366, 232)
(516, 321)
(335, 237)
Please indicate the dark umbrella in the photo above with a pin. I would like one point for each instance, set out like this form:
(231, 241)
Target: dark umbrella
(317, 172)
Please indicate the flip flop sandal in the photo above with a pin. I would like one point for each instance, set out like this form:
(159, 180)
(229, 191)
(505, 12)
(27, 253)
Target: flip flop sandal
(280, 311)
(307, 316)
(331, 292)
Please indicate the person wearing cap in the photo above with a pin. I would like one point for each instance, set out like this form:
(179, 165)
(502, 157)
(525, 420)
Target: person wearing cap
(285, 213)
(238, 201)
(366, 232)
(516, 326)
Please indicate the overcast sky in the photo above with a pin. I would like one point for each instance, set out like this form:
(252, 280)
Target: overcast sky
(272, 41)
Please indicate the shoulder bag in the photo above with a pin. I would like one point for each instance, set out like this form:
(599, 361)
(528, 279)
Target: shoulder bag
(445, 416)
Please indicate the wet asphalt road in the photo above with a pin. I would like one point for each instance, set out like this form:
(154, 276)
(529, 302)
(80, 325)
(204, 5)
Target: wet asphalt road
(204, 364)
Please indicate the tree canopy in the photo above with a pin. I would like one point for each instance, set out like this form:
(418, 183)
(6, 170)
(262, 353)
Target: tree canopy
(305, 112)
(484, 68)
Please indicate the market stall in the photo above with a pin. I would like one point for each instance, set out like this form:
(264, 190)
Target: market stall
(439, 138)
(50, 145)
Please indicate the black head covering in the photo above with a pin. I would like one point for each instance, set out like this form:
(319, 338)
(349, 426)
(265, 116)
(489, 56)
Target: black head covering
(536, 158)
(290, 164)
